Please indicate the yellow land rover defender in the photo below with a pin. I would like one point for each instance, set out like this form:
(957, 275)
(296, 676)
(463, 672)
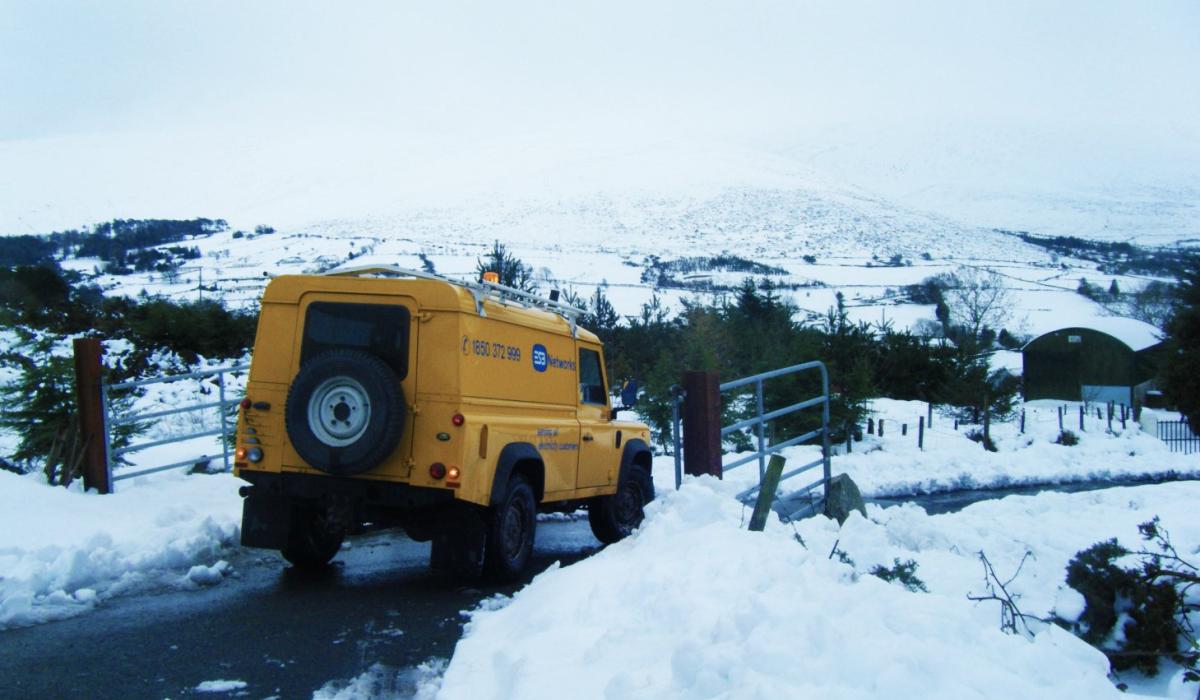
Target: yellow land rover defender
(454, 410)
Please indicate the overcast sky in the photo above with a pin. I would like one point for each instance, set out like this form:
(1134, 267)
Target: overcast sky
(289, 110)
(452, 67)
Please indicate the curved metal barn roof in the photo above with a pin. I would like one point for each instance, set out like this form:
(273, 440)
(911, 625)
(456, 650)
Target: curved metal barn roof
(1138, 335)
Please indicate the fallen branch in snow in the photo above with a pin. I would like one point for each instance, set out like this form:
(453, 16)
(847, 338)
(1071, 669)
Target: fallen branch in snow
(842, 555)
(1138, 615)
(1012, 620)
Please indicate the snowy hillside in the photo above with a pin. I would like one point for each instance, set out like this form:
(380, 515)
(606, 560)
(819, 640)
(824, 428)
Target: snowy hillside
(818, 242)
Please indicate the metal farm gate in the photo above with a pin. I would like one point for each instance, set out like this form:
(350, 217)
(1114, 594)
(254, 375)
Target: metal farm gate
(802, 500)
(219, 409)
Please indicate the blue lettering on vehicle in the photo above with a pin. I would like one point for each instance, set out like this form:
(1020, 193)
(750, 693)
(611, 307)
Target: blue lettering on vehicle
(542, 359)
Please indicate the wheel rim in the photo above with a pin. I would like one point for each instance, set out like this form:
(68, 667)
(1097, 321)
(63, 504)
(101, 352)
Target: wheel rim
(339, 411)
(512, 536)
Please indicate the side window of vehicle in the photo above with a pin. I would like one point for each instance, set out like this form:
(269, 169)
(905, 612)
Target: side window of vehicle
(378, 329)
(591, 378)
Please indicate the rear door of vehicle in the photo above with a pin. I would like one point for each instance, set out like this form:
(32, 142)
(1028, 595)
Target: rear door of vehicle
(383, 326)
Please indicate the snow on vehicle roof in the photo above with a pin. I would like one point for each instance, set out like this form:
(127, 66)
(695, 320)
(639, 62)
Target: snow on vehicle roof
(1138, 335)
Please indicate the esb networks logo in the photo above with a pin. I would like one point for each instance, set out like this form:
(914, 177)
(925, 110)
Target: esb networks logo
(541, 359)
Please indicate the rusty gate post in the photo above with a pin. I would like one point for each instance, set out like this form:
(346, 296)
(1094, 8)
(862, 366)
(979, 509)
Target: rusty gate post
(91, 414)
(702, 424)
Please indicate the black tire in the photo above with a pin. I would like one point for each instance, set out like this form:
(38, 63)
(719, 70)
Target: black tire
(344, 412)
(311, 543)
(613, 517)
(511, 525)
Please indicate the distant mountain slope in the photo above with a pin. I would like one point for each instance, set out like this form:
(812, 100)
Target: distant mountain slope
(753, 222)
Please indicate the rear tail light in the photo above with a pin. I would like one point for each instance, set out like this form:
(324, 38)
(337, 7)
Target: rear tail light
(452, 474)
(458, 419)
(437, 470)
(254, 454)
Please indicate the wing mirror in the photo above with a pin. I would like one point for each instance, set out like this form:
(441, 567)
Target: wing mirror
(629, 396)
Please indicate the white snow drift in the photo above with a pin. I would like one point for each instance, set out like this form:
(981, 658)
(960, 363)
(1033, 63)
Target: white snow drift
(63, 551)
(695, 606)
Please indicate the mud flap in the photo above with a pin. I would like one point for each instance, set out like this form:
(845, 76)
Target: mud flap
(460, 542)
(265, 521)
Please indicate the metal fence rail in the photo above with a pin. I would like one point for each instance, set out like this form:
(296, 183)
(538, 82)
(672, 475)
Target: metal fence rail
(221, 405)
(1179, 437)
(759, 422)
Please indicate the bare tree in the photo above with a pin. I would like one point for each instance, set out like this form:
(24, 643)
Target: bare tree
(978, 298)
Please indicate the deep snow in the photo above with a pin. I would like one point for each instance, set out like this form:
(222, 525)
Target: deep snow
(63, 551)
(695, 606)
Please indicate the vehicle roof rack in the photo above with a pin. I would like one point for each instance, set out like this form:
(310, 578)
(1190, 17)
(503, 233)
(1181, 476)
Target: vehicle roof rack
(481, 291)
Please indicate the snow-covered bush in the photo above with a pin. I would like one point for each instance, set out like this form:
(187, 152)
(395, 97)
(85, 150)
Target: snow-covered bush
(1137, 615)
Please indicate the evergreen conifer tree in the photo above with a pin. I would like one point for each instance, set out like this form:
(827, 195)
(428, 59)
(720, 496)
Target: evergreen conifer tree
(1181, 376)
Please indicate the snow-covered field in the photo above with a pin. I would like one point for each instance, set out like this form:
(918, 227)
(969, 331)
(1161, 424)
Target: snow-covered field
(893, 465)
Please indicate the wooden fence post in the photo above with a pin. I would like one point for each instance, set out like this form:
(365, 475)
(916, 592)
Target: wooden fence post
(702, 424)
(921, 433)
(88, 375)
(766, 495)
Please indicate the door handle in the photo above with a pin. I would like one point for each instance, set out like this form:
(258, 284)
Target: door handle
(588, 438)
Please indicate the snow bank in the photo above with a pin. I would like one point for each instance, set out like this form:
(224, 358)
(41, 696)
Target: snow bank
(64, 551)
(693, 605)
(383, 683)
(893, 465)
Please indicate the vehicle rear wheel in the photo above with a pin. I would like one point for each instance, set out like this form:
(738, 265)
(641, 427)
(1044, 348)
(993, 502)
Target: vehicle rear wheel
(511, 525)
(614, 517)
(312, 541)
(344, 412)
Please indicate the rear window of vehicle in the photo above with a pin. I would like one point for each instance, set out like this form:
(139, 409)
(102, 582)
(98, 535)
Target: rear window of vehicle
(381, 330)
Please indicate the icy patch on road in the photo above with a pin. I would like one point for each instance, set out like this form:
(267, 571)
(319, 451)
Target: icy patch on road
(693, 605)
(383, 683)
(63, 551)
(220, 686)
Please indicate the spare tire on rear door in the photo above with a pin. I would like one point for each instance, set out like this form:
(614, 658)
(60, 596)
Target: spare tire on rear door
(345, 412)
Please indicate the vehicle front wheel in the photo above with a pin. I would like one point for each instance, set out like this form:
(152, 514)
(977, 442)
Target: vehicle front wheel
(510, 531)
(613, 517)
(312, 543)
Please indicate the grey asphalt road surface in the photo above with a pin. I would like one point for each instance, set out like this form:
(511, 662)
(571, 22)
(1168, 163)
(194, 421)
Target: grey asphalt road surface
(282, 632)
